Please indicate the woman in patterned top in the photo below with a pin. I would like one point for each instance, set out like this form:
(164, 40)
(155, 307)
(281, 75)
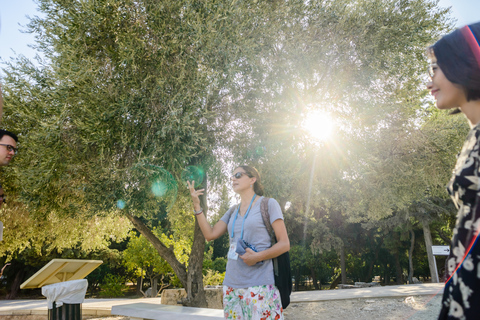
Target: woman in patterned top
(455, 83)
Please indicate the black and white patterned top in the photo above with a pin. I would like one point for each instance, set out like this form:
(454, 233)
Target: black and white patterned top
(461, 298)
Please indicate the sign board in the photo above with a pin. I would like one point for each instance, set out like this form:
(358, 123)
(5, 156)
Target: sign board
(441, 250)
(60, 270)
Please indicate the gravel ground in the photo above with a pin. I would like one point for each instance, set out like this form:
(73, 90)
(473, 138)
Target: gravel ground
(412, 308)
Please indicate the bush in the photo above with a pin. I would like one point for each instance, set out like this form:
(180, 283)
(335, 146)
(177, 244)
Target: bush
(213, 278)
(112, 286)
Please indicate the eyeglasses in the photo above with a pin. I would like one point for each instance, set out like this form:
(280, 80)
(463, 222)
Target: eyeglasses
(10, 148)
(431, 69)
(238, 175)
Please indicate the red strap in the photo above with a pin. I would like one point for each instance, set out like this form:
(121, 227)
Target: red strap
(472, 42)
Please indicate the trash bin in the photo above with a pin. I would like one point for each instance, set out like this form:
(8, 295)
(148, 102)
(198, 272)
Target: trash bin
(65, 298)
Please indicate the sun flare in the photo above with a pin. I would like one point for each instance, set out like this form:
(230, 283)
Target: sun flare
(319, 125)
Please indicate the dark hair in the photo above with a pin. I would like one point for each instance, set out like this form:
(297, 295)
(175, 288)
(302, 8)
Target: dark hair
(456, 58)
(253, 173)
(8, 133)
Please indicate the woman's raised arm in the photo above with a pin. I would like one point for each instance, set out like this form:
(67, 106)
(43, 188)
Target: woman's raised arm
(209, 232)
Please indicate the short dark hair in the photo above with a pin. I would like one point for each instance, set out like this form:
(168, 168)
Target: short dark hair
(252, 172)
(457, 60)
(8, 133)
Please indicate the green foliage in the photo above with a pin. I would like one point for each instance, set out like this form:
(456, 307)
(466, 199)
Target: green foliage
(141, 258)
(213, 278)
(113, 286)
(132, 92)
(215, 264)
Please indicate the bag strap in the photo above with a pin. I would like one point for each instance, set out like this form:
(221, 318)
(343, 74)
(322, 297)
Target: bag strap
(266, 219)
(235, 206)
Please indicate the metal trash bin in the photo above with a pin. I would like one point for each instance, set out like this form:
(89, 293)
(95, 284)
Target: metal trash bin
(65, 298)
(65, 312)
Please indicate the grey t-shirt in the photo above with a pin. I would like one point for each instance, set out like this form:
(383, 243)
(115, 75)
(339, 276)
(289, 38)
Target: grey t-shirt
(238, 273)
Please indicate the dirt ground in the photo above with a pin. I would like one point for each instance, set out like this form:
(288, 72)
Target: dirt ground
(413, 308)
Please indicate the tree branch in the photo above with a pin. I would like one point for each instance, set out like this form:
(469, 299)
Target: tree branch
(166, 253)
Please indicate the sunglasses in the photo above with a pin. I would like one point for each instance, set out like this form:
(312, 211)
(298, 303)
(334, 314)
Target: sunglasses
(238, 175)
(10, 148)
(431, 69)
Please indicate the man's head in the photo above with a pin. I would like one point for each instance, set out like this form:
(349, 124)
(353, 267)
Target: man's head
(8, 146)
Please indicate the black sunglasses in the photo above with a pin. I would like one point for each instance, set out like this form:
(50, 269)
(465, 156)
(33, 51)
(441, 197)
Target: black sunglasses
(238, 175)
(10, 148)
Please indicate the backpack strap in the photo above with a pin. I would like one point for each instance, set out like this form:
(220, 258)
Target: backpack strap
(235, 206)
(266, 219)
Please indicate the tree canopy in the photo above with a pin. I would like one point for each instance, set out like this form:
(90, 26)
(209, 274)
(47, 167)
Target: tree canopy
(132, 95)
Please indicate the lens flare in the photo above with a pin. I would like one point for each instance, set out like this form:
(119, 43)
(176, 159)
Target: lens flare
(260, 151)
(159, 188)
(150, 188)
(121, 204)
(192, 173)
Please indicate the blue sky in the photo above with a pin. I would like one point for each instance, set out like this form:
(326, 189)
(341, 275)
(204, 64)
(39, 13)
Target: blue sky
(13, 14)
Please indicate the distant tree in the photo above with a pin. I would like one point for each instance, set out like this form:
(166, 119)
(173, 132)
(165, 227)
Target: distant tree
(142, 258)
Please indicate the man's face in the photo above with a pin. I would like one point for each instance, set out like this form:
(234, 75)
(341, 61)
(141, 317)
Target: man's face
(5, 154)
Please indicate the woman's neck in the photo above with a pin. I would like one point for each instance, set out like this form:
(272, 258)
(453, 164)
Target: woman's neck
(246, 196)
(471, 110)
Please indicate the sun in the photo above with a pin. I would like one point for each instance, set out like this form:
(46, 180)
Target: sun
(319, 125)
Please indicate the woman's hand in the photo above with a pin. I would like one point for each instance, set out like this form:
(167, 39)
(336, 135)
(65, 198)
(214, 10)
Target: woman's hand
(250, 257)
(195, 193)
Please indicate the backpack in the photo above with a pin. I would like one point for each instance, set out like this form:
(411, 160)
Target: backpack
(281, 264)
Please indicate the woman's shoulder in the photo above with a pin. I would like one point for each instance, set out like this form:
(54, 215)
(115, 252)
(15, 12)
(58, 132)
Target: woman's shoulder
(226, 216)
(273, 205)
(271, 201)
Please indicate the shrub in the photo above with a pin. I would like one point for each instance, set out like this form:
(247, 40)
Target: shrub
(112, 286)
(213, 278)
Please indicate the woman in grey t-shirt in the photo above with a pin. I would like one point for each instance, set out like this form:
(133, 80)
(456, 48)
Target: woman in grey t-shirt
(249, 290)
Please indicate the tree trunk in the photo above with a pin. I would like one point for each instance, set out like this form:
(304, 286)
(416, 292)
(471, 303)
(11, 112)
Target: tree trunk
(410, 257)
(297, 280)
(335, 282)
(375, 259)
(154, 287)
(164, 252)
(398, 268)
(314, 278)
(342, 264)
(428, 243)
(139, 285)
(15, 288)
(195, 291)
(386, 274)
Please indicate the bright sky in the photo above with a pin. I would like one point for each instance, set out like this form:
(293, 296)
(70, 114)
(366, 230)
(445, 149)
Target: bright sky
(13, 14)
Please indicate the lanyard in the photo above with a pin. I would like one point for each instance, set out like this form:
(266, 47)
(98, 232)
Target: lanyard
(244, 217)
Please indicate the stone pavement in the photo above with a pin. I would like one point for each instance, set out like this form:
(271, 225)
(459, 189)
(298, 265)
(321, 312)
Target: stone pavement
(102, 307)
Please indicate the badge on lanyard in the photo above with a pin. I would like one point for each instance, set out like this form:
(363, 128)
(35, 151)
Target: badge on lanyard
(233, 244)
(231, 253)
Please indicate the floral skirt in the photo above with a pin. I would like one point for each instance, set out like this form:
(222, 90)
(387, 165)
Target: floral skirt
(253, 303)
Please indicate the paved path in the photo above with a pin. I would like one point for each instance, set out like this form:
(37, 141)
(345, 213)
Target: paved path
(102, 307)
(372, 292)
